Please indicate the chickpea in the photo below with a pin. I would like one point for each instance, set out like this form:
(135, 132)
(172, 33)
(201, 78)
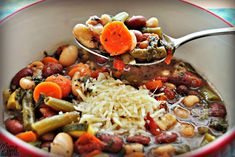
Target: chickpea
(105, 18)
(165, 72)
(152, 22)
(27, 83)
(181, 112)
(187, 130)
(190, 100)
(68, 55)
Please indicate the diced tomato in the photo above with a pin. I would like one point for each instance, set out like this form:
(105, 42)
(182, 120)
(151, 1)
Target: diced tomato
(169, 56)
(153, 84)
(118, 64)
(151, 125)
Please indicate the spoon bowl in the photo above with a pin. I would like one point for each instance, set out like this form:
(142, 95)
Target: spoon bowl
(173, 43)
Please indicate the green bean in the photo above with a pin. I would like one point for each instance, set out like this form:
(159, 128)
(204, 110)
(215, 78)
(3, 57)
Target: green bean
(149, 53)
(55, 122)
(209, 95)
(122, 16)
(59, 105)
(159, 52)
(155, 30)
(141, 54)
(28, 110)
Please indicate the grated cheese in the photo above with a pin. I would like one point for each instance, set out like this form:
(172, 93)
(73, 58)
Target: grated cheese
(112, 105)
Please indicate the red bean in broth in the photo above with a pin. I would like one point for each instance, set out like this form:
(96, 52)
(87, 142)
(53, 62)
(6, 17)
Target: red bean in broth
(166, 138)
(51, 68)
(114, 142)
(22, 73)
(14, 126)
(139, 139)
(217, 110)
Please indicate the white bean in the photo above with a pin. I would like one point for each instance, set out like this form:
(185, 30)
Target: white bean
(187, 130)
(190, 100)
(96, 29)
(152, 22)
(181, 112)
(62, 145)
(105, 18)
(136, 147)
(84, 35)
(68, 55)
(26, 83)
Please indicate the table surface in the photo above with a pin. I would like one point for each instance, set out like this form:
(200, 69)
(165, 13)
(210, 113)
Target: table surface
(223, 8)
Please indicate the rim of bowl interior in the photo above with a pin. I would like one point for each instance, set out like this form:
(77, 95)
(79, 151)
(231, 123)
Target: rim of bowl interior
(221, 142)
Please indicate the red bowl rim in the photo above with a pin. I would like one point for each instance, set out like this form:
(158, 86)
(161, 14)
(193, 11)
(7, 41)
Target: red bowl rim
(210, 148)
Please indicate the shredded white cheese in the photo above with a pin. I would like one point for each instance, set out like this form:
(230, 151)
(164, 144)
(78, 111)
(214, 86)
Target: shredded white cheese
(111, 105)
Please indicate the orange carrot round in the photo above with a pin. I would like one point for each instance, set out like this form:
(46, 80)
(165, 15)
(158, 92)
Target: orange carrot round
(47, 88)
(116, 38)
(83, 69)
(28, 136)
(63, 82)
(48, 59)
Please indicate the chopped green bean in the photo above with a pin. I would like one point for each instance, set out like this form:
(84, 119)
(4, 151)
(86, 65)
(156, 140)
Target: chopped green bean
(28, 110)
(55, 122)
(209, 95)
(122, 16)
(59, 105)
(155, 30)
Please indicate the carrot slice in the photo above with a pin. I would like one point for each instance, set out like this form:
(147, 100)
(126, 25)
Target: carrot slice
(63, 82)
(83, 69)
(28, 136)
(48, 89)
(116, 38)
(48, 59)
(153, 84)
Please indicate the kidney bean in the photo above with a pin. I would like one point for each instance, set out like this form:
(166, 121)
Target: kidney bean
(48, 137)
(193, 92)
(14, 126)
(166, 138)
(187, 78)
(217, 110)
(100, 60)
(170, 94)
(138, 35)
(182, 89)
(22, 73)
(51, 68)
(139, 139)
(136, 22)
(47, 112)
(114, 143)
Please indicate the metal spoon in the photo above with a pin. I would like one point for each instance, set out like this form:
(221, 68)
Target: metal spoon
(174, 43)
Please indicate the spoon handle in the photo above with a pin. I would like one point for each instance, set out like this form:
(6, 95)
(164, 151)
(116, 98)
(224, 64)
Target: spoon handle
(210, 32)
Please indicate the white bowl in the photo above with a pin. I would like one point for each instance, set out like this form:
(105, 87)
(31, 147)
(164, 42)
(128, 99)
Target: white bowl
(47, 24)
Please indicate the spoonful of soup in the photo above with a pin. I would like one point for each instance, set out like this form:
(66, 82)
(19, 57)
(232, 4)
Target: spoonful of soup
(135, 40)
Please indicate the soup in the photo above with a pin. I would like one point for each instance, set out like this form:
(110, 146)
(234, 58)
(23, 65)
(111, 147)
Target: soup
(92, 107)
